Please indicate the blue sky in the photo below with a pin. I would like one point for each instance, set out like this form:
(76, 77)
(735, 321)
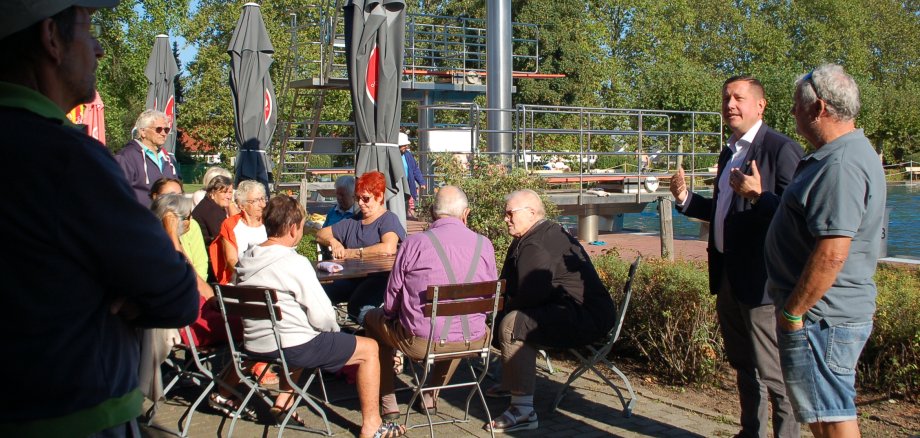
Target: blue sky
(186, 51)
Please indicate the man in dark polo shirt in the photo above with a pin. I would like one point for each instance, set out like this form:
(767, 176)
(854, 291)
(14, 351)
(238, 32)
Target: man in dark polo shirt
(85, 264)
(821, 252)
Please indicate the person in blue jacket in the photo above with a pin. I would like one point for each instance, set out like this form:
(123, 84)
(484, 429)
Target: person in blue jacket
(413, 174)
(143, 159)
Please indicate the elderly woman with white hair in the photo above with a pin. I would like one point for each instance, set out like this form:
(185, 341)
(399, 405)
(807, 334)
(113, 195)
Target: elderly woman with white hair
(143, 160)
(239, 232)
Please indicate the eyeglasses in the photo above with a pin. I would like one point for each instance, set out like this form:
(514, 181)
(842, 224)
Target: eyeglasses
(160, 129)
(510, 213)
(95, 30)
(261, 200)
(364, 199)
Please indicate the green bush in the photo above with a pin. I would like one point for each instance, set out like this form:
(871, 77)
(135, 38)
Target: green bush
(671, 320)
(486, 184)
(307, 245)
(891, 360)
(671, 323)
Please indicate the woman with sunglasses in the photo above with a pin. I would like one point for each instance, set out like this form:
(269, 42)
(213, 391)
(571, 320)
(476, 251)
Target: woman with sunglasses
(143, 160)
(375, 231)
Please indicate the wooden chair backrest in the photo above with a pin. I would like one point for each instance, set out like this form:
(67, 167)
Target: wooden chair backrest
(249, 302)
(464, 298)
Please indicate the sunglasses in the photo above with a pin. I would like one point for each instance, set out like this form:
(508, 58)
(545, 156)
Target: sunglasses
(160, 129)
(510, 213)
(808, 78)
(364, 199)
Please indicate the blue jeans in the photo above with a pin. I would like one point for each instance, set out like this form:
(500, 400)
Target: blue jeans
(819, 367)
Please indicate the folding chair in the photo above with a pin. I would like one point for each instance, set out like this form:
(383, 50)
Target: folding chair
(456, 300)
(193, 366)
(256, 303)
(592, 354)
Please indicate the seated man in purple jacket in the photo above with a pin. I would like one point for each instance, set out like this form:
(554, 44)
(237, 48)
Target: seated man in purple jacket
(447, 253)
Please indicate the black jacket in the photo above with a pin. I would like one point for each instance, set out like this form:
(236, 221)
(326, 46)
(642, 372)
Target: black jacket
(553, 283)
(745, 227)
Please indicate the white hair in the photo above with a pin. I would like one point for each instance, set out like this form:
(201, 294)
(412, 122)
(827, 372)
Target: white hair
(830, 83)
(247, 187)
(173, 203)
(146, 119)
(214, 171)
(346, 182)
(450, 202)
(533, 200)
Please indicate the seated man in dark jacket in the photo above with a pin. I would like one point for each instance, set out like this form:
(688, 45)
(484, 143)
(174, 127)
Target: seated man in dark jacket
(555, 299)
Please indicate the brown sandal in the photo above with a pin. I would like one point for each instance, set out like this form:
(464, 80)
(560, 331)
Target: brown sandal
(279, 415)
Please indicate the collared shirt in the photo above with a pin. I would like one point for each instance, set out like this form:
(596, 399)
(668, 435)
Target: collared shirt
(157, 157)
(739, 148)
(417, 266)
(17, 96)
(839, 190)
(336, 214)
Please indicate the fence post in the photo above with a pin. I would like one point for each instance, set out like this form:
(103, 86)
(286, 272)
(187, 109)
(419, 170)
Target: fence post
(303, 195)
(667, 228)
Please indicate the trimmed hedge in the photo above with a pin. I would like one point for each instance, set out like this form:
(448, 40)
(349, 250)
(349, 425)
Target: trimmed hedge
(671, 324)
(891, 360)
(671, 320)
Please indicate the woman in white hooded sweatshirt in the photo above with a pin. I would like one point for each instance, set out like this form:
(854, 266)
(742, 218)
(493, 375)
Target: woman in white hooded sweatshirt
(309, 333)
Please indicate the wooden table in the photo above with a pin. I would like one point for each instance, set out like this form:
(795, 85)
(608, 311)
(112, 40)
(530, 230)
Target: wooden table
(357, 268)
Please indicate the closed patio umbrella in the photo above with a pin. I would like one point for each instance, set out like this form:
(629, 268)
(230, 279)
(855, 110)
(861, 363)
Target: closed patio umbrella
(374, 39)
(161, 74)
(250, 53)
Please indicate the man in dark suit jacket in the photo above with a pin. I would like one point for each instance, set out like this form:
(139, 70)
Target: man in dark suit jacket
(754, 168)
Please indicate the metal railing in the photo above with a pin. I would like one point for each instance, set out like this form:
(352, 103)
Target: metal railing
(591, 142)
(434, 43)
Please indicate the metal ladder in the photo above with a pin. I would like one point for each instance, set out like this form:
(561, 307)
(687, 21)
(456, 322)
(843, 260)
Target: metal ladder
(301, 103)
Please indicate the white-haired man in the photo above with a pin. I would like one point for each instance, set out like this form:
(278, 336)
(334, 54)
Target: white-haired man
(821, 252)
(87, 264)
(345, 205)
(448, 253)
(555, 299)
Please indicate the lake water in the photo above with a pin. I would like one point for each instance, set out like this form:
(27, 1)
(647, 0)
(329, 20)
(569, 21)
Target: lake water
(903, 221)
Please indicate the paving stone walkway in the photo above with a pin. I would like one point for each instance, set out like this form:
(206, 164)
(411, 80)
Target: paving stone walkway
(590, 410)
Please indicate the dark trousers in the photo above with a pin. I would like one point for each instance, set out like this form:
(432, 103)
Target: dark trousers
(750, 345)
(362, 294)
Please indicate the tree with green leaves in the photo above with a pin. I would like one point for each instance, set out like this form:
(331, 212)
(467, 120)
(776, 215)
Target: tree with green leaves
(128, 34)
